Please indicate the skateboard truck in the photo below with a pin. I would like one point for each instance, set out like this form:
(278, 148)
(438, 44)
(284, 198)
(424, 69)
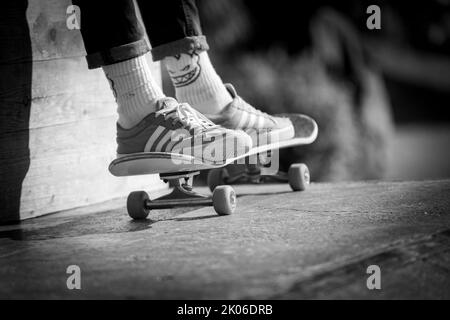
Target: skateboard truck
(223, 198)
(179, 169)
(298, 176)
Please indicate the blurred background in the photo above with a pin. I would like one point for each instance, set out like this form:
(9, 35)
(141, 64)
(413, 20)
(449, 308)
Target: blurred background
(381, 97)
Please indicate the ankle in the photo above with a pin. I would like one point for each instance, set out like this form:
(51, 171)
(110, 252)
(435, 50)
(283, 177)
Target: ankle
(197, 83)
(134, 88)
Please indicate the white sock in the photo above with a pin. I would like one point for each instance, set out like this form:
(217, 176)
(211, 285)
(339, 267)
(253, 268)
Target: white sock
(197, 83)
(134, 88)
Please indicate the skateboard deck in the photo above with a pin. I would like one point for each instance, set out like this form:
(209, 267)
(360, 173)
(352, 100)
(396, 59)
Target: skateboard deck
(164, 162)
(180, 169)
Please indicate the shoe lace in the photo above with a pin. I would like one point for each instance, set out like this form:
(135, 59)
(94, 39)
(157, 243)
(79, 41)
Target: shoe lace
(187, 116)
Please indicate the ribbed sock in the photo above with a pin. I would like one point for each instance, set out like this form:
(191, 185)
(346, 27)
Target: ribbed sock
(197, 82)
(134, 88)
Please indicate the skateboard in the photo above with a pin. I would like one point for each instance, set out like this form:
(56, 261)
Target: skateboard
(180, 169)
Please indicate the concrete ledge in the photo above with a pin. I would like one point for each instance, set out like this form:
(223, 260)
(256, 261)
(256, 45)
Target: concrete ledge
(57, 118)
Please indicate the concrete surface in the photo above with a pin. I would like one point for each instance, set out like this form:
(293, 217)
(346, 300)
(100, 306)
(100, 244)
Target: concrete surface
(278, 244)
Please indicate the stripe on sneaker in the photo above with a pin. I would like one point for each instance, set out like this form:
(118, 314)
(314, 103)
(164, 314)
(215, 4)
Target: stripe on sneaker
(174, 138)
(162, 139)
(151, 141)
(242, 121)
(251, 122)
(260, 124)
(165, 146)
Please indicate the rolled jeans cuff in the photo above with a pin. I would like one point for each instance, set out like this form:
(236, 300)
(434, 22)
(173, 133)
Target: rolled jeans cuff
(185, 45)
(117, 54)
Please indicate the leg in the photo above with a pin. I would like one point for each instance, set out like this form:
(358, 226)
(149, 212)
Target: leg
(177, 39)
(148, 121)
(114, 40)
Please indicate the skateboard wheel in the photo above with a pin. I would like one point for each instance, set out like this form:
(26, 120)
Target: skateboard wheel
(216, 177)
(136, 205)
(298, 176)
(224, 200)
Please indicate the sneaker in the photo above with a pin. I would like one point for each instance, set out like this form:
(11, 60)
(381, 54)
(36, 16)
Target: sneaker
(178, 128)
(262, 127)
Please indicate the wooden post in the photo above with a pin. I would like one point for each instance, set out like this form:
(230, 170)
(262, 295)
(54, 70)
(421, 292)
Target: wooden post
(57, 118)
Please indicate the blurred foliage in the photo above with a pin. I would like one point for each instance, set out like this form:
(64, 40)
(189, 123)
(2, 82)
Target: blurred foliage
(421, 25)
(227, 22)
(256, 25)
(312, 62)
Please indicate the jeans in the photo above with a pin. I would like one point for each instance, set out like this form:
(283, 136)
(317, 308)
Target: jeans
(112, 32)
